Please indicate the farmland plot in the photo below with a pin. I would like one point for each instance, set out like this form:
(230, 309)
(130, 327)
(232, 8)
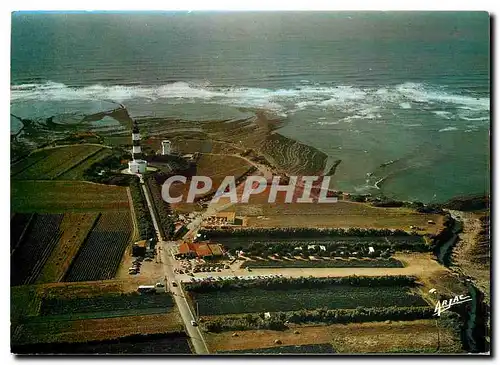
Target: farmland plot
(77, 171)
(100, 255)
(56, 162)
(61, 196)
(29, 257)
(254, 300)
(27, 162)
(75, 227)
(18, 227)
(160, 343)
(106, 306)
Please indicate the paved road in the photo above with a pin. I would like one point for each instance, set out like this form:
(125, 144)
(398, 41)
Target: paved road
(187, 316)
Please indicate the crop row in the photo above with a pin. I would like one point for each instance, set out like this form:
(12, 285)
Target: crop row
(263, 264)
(29, 257)
(124, 302)
(254, 300)
(100, 255)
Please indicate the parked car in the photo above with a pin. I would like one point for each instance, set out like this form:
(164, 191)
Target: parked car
(194, 324)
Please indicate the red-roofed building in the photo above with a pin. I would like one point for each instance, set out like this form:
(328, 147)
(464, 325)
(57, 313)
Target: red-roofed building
(186, 249)
(203, 251)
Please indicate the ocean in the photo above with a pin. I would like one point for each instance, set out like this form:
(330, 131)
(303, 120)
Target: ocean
(402, 98)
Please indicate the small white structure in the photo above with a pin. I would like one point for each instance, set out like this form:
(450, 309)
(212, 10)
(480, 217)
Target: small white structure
(371, 250)
(166, 147)
(137, 166)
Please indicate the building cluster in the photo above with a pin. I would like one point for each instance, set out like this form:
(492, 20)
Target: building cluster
(202, 250)
(220, 219)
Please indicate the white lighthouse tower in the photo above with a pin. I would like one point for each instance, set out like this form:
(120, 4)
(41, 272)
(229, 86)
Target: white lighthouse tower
(166, 147)
(137, 165)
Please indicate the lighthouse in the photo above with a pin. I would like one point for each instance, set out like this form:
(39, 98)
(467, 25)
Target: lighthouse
(136, 143)
(137, 165)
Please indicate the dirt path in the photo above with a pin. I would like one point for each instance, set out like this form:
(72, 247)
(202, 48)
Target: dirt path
(468, 256)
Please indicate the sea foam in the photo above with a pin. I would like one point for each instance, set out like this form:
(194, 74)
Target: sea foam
(356, 102)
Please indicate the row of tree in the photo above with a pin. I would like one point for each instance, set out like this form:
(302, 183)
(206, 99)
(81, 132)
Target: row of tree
(301, 232)
(162, 208)
(301, 282)
(340, 249)
(145, 225)
(280, 320)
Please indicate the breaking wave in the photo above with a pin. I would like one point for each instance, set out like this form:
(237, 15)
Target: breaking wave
(448, 129)
(356, 102)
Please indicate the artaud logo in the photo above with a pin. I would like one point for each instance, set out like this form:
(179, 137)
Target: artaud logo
(297, 189)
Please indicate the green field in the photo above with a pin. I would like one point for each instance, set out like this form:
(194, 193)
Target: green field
(52, 163)
(77, 171)
(66, 196)
(253, 300)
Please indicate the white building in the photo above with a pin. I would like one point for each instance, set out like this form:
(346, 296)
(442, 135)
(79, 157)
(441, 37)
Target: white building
(166, 147)
(137, 166)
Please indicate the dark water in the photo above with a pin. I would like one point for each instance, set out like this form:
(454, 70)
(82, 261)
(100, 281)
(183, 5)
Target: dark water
(367, 88)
